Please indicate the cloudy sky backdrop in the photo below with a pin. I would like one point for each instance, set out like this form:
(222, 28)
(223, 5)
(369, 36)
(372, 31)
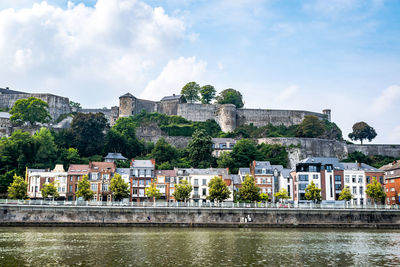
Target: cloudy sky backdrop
(310, 55)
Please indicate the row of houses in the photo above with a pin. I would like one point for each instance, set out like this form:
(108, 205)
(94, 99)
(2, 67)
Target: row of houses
(327, 173)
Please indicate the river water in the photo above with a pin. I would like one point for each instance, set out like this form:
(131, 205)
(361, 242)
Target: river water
(198, 247)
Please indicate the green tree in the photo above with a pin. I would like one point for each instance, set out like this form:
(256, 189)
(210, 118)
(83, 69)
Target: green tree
(84, 189)
(310, 127)
(230, 96)
(46, 153)
(119, 188)
(153, 192)
(30, 110)
(249, 191)
(18, 188)
(376, 191)
(218, 190)
(5, 180)
(191, 92)
(312, 192)
(361, 131)
(225, 160)
(282, 194)
(182, 191)
(345, 194)
(264, 197)
(276, 154)
(200, 149)
(164, 152)
(49, 189)
(243, 153)
(88, 130)
(207, 93)
(75, 106)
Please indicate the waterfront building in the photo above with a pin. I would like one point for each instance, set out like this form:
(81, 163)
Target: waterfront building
(263, 174)
(286, 181)
(100, 175)
(75, 174)
(141, 176)
(243, 172)
(326, 173)
(392, 182)
(37, 178)
(199, 179)
(165, 182)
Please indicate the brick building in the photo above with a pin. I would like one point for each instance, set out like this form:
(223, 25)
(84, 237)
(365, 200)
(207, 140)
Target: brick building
(392, 182)
(75, 174)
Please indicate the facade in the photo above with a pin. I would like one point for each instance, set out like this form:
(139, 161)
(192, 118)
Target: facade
(355, 179)
(286, 182)
(37, 178)
(142, 173)
(100, 175)
(392, 182)
(75, 174)
(199, 179)
(125, 174)
(222, 145)
(165, 182)
(263, 174)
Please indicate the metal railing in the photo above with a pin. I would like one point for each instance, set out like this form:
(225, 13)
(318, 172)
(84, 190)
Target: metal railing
(254, 205)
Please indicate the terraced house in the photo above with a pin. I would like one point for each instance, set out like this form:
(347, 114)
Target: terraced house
(141, 176)
(100, 175)
(37, 178)
(392, 182)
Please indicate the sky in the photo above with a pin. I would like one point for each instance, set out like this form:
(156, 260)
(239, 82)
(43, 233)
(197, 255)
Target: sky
(342, 55)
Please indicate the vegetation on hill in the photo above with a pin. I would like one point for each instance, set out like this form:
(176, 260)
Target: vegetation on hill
(376, 161)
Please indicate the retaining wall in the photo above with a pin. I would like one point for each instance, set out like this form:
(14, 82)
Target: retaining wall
(205, 217)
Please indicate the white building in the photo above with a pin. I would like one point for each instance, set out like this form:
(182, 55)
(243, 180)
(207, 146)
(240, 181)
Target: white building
(354, 178)
(37, 178)
(199, 179)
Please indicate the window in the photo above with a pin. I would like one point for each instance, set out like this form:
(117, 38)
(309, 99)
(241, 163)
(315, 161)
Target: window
(367, 179)
(264, 181)
(354, 190)
(204, 191)
(328, 168)
(312, 168)
(105, 187)
(302, 186)
(77, 178)
(148, 182)
(196, 181)
(353, 178)
(71, 178)
(347, 179)
(338, 178)
(393, 198)
(204, 181)
(303, 177)
(95, 198)
(381, 179)
(268, 180)
(141, 192)
(315, 176)
(264, 171)
(93, 187)
(141, 182)
(392, 181)
(360, 178)
(392, 189)
(338, 187)
(105, 176)
(361, 190)
(269, 190)
(171, 191)
(137, 173)
(70, 188)
(161, 179)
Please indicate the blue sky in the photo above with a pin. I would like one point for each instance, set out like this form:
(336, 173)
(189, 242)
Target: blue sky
(311, 55)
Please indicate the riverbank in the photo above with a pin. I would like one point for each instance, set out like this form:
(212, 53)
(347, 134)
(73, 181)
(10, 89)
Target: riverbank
(17, 215)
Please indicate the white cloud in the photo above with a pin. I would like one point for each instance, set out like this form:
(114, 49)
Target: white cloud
(385, 101)
(174, 76)
(78, 50)
(287, 94)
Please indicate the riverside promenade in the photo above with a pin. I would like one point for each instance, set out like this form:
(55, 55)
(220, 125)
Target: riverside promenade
(62, 213)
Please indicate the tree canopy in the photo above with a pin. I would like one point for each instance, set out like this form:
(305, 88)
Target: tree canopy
(312, 192)
(200, 149)
(84, 189)
(345, 194)
(218, 190)
(249, 191)
(31, 110)
(376, 191)
(191, 92)
(119, 188)
(49, 190)
(18, 188)
(282, 194)
(362, 131)
(230, 96)
(310, 127)
(207, 93)
(153, 192)
(182, 191)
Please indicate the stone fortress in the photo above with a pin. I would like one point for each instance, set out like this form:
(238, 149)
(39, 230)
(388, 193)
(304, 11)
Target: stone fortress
(227, 115)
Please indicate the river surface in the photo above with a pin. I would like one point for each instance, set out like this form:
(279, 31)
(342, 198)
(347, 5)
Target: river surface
(197, 247)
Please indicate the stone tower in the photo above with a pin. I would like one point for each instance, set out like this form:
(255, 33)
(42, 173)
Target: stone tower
(327, 112)
(226, 117)
(127, 104)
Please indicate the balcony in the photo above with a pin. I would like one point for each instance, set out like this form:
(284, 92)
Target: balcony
(196, 196)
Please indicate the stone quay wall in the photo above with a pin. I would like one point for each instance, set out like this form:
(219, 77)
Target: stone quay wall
(196, 217)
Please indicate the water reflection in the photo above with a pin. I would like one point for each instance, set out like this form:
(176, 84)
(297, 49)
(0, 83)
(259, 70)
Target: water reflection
(199, 247)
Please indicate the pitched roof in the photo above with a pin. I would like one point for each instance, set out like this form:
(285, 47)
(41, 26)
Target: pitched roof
(391, 166)
(263, 165)
(78, 169)
(209, 171)
(235, 178)
(357, 166)
(127, 95)
(166, 172)
(171, 97)
(244, 170)
(123, 171)
(142, 163)
(115, 156)
(323, 161)
(102, 165)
